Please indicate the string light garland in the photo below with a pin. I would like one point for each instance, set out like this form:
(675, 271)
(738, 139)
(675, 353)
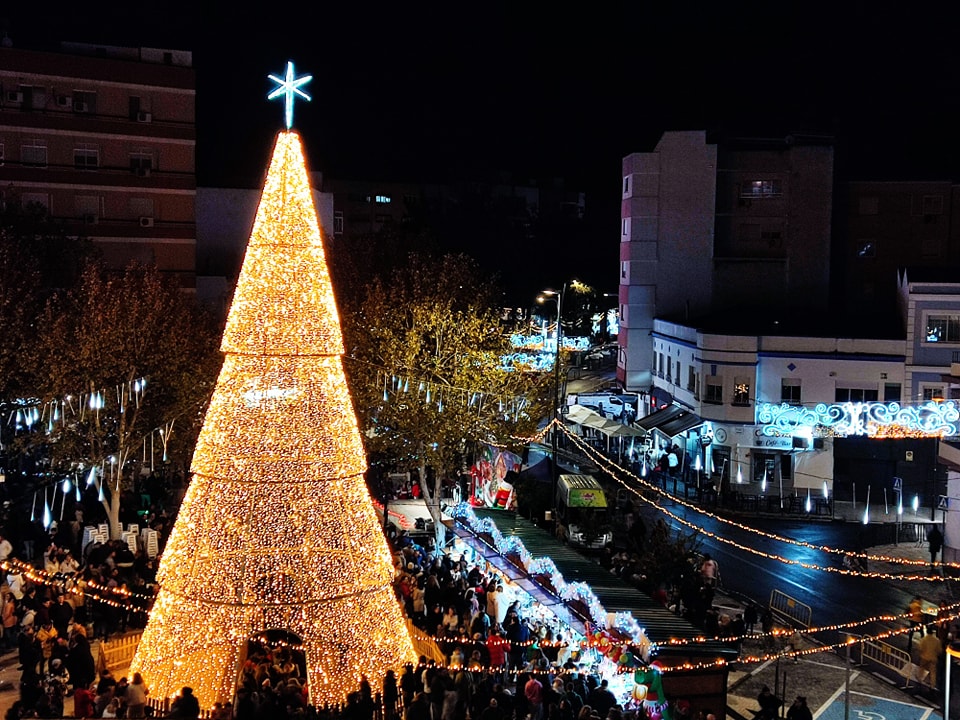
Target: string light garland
(610, 466)
(277, 530)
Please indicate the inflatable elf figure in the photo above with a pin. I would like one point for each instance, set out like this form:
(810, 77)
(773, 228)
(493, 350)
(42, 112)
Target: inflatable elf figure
(648, 692)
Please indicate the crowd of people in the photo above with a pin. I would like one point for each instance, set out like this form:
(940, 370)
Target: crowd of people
(503, 656)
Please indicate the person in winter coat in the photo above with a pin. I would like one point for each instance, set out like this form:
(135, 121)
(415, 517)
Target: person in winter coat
(136, 695)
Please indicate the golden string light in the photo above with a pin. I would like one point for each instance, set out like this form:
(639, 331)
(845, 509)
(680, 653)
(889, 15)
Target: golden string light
(277, 530)
(610, 466)
(68, 581)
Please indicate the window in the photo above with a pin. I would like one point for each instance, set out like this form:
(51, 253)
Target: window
(338, 222)
(626, 185)
(714, 390)
(866, 248)
(383, 199)
(141, 163)
(140, 207)
(870, 205)
(30, 200)
(84, 102)
(892, 392)
(677, 375)
(625, 227)
(931, 392)
(790, 391)
(86, 157)
(691, 379)
(741, 391)
(855, 395)
(758, 189)
(942, 328)
(764, 468)
(87, 207)
(624, 265)
(931, 205)
(34, 154)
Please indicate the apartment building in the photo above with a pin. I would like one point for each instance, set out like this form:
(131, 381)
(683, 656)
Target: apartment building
(717, 223)
(104, 139)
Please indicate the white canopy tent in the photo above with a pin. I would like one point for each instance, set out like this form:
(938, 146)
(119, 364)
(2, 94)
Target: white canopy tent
(587, 418)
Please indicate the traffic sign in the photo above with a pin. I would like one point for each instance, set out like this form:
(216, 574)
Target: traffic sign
(898, 483)
(943, 503)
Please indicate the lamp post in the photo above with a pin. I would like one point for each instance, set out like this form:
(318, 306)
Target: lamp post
(556, 296)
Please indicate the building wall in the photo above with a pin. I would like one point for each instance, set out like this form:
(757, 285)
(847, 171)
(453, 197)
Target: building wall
(105, 138)
(759, 364)
(666, 243)
(773, 222)
(895, 224)
(929, 371)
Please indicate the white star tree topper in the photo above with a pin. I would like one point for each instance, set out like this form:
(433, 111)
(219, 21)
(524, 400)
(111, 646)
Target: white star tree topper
(289, 87)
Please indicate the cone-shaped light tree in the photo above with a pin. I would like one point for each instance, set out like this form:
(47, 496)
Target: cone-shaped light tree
(277, 530)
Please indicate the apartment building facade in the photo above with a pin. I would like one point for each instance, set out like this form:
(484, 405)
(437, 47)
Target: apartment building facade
(103, 138)
(709, 224)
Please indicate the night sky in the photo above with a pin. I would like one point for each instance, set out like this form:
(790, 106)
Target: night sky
(429, 91)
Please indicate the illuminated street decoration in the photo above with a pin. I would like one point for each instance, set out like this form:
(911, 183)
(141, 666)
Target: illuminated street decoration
(873, 419)
(277, 531)
(289, 87)
(539, 341)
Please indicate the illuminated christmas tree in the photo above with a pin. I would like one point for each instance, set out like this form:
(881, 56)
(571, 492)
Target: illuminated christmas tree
(277, 530)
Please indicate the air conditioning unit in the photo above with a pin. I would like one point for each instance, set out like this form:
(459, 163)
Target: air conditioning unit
(12, 96)
(80, 106)
(144, 117)
(90, 219)
(146, 221)
(64, 101)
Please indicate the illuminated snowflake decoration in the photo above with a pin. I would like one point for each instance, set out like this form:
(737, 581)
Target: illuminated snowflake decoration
(288, 87)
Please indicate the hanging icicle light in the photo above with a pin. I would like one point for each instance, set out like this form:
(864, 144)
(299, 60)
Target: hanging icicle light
(100, 496)
(91, 476)
(866, 515)
(739, 475)
(808, 505)
(47, 515)
(77, 489)
(28, 418)
(67, 485)
(916, 503)
(428, 394)
(763, 482)
(406, 385)
(33, 509)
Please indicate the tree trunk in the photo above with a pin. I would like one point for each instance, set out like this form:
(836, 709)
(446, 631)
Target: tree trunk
(431, 497)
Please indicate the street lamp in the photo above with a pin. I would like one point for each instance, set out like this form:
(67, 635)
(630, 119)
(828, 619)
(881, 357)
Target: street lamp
(558, 298)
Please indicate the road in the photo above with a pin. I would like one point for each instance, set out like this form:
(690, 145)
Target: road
(833, 598)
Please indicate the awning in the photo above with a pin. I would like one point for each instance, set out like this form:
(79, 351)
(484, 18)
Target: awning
(580, 415)
(671, 421)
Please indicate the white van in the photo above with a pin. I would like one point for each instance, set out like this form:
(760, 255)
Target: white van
(611, 404)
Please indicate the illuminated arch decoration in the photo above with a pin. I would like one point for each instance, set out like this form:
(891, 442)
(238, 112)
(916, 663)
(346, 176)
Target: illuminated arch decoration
(277, 530)
(871, 419)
